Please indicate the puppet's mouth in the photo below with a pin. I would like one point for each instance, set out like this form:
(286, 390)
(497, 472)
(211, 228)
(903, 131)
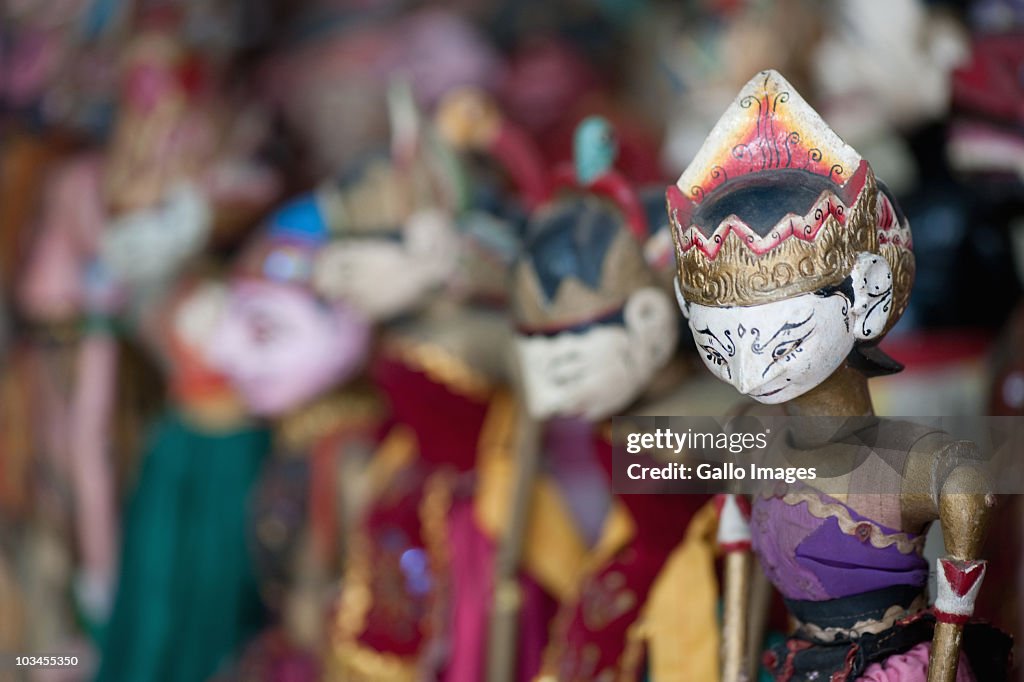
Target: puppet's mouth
(765, 395)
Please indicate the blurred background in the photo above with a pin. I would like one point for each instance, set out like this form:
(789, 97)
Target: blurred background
(107, 106)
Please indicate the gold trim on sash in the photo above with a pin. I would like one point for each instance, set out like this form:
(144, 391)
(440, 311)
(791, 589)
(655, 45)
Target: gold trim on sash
(349, 661)
(395, 452)
(298, 431)
(439, 365)
(678, 623)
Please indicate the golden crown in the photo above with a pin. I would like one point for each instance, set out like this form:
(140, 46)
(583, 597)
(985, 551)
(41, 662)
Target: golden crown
(775, 204)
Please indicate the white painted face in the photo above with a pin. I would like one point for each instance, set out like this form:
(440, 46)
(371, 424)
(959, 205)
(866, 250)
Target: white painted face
(196, 319)
(777, 351)
(385, 278)
(596, 372)
(150, 245)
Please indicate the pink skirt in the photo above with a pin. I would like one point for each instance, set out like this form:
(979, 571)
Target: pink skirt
(911, 667)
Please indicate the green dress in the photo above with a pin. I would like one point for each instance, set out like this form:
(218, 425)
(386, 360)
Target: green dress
(187, 598)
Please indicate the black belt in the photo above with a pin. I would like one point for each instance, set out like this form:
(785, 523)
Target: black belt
(846, 612)
(802, 658)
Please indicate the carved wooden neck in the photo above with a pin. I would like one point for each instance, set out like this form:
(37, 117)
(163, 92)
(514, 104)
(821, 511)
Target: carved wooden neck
(844, 394)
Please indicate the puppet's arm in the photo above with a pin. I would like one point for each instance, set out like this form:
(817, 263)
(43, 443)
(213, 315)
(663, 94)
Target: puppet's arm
(964, 510)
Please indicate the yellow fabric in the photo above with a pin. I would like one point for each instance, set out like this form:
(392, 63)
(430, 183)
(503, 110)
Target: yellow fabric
(554, 550)
(395, 452)
(616, 532)
(355, 663)
(680, 620)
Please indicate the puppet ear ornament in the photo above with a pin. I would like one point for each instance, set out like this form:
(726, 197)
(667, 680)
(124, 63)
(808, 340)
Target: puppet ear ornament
(871, 281)
(775, 205)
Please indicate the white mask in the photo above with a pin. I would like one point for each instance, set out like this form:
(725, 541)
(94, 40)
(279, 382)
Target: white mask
(777, 351)
(596, 372)
(385, 278)
(150, 245)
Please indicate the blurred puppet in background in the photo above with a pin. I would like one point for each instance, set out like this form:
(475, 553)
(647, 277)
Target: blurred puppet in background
(180, 170)
(187, 596)
(290, 353)
(115, 229)
(71, 298)
(438, 366)
(593, 330)
(419, 583)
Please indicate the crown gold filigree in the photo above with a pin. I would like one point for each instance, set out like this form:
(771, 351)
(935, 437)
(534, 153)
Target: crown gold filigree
(736, 274)
(734, 248)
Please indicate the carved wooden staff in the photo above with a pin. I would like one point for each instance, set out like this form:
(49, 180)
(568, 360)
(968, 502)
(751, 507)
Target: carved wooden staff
(734, 542)
(504, 622)
(759, 605)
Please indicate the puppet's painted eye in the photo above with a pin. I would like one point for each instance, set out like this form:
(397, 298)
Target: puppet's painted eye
(713, 355)
(786, 349)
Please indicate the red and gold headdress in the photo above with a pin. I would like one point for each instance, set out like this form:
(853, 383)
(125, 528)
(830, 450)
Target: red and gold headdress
(775, 204)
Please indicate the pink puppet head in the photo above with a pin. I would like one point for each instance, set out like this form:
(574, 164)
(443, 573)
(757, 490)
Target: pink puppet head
(280, 344)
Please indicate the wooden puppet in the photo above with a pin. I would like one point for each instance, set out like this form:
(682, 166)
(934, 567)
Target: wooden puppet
(418, 589)
(593, 330)
(259, 540)
(288, 351)
(526, 568)
(115, 230)
(794, 262)
(69, 299)
(186, 594)
(394, 247)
